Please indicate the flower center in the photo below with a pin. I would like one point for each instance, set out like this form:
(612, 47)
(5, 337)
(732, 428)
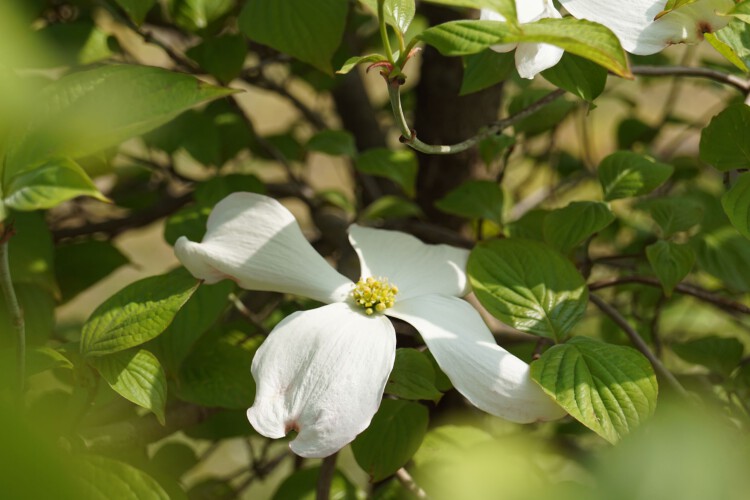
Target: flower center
(374, 294)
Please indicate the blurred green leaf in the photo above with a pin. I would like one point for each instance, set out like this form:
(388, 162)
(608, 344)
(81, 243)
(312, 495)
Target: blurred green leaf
(302, 485)
(31, 252)
(631, 131)
(309, 31)
(566, 228)
(197, 15)
(394, 435)
(578, 76)
(725, 254)
(137, 376)
(528, 285)
(85, 112)
(673, 214)
(388, 207)
(474, 200)
(671, 262)
(106, 479)
(625, 174)
(217, 371)
(137, 313)
(352, 62)
(81, 264)
(39, 306)
(718, 354)
(542, 120)
(333, 142)
(736, 203)
(492, 147)
(610, 389)
(136, 9)
(412, 377)
(222, 56)
(212, 191)
(723, 142)
(397, 13)
(189, 222)
(485, 69)
(400, 166)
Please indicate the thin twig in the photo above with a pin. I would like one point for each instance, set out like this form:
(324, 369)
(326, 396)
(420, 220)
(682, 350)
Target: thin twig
(408, 482)
(699, 293)
(327, 471)
(638, 342)
(409, 136)
(741, 84)
(14, 309)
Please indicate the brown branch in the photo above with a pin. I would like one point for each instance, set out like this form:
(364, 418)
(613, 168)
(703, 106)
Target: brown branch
(741, 84)
(699, 293)
(327, 471)
(637, 342)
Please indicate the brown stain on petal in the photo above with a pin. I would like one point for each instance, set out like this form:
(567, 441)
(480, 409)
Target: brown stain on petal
(291, 426)
(703, 28)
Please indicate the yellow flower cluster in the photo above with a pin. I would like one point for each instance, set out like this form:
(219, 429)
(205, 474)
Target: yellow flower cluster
(374, 294)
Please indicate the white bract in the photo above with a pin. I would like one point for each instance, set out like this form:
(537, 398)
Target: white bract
(322, 372)
(635, 24)
(531, 58)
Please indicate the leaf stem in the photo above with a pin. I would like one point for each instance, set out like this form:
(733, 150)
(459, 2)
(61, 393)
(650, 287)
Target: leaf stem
(384, 31)
(409, 136)
(638, 342)
(14, 308)
(408, 482)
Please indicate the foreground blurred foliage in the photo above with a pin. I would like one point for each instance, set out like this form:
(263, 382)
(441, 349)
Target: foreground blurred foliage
(609, 234)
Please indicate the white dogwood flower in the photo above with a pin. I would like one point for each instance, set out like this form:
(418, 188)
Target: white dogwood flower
(640, 32)
(531, 58)
(322, 372)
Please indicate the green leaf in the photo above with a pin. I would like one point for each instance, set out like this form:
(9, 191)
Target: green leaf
(137, 376)
(308, 31)
(528, 285)
(31, 252)
(86, 112)
(302, 485)
(485, 69)
(194, 319)
(609, 389)
(333, 142)
(137, 313)
(724, 141)
(474, 200)
(412, 377)
(197, 15)
(566, 228)
(718, 354)
(39, 325)
(46, 186)
(542, 120)
(578, 76)
(735, 38)
(394, 435)
(81, 264)
(400, 13)
(189, 222)
(447, 442)
(726, 50)
(106, 479)
(506, 8)
(212, 191)
(390, 207)
(222, 56)
(671, 262)
(725, 254)
(625, 174)
(736, 203)
(741, 11)
(400, 166)
(352, 62)
(493, 146)
(217, 371)
(577, 36)
(136, 9)
(672, 5)
(674, 214)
